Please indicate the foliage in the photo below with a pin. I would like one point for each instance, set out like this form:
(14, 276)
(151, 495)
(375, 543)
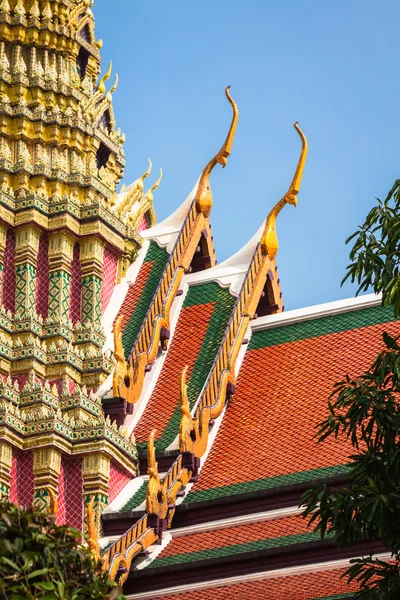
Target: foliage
(41, 560)
(375, 254)
(366, 411)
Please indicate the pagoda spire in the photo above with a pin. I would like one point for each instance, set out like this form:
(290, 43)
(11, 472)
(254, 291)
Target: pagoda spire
(62, 250)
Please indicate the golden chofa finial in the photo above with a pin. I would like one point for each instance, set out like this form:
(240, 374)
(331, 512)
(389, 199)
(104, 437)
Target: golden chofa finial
(203, 195)
(149, 193)
(102, 84)
(269, 240)
(113, 89)
(140, 181)
(152, 466)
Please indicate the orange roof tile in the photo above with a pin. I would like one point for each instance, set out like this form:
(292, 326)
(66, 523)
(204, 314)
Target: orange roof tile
(282, 391)
(308, 586)
(183, 350)
(239, 534)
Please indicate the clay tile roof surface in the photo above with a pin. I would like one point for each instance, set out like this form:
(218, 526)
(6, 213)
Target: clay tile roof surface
(267, 435)
(307, 586)
(139, 295)
(235, 540)
(197, 337)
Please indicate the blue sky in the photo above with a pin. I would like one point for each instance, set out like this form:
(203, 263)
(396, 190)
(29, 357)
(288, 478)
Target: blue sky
(333, 66)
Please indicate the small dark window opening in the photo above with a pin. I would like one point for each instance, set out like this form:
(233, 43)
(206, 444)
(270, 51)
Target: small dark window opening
(103, 154)
(267, 303)
(201, 259)
(82, 62)
(105, 121)
(85, 34)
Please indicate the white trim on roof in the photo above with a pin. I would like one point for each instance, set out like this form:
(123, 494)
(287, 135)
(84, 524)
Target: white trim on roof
(260, 517)
(113, 308)
(315, 312)
(166, 232)
(151, 379)
(232, 271)
(274, 574)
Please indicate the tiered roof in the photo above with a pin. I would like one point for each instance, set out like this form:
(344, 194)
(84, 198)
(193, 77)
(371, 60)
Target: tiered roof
(240, 515)
(220, 388)
(327, 584)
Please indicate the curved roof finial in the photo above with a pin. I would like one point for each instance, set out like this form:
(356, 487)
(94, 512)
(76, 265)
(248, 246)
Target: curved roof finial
(152, 466)
(113, 89)
(269, 240)
(140, 181)
(102, 84)
(149, 193)
(203, 195)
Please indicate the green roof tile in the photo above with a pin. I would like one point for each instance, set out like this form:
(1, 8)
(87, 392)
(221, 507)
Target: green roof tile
(136, 500)
(224, 303)
(267, 483)
(319, 327)
(257, 545)
(160, 258)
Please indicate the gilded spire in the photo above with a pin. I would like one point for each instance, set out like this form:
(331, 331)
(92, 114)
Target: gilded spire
(269, 240)
(102, 84)
(203, 195)
(149, 193)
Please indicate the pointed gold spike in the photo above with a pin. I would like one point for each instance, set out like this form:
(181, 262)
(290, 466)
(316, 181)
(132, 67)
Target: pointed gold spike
(140, 181)
(113, 89)
(149, 194)
(203, 195)
(186, 419)
(147, 173)
(102, 84)
(269, 240)
(152, 466)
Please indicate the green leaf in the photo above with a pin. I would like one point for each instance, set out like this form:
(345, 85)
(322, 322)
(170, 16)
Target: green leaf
(45, 585)
(9, 562)
(38, 573)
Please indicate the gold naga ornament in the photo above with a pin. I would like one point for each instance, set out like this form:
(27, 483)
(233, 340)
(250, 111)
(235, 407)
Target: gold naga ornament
(204, 195)
(194, 431)
(269, 240)
(161, 494)
(156, 497)
(129, 375)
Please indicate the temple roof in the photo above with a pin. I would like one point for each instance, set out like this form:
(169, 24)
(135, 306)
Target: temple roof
(262, 453)
(267, 436)
(314, 585)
